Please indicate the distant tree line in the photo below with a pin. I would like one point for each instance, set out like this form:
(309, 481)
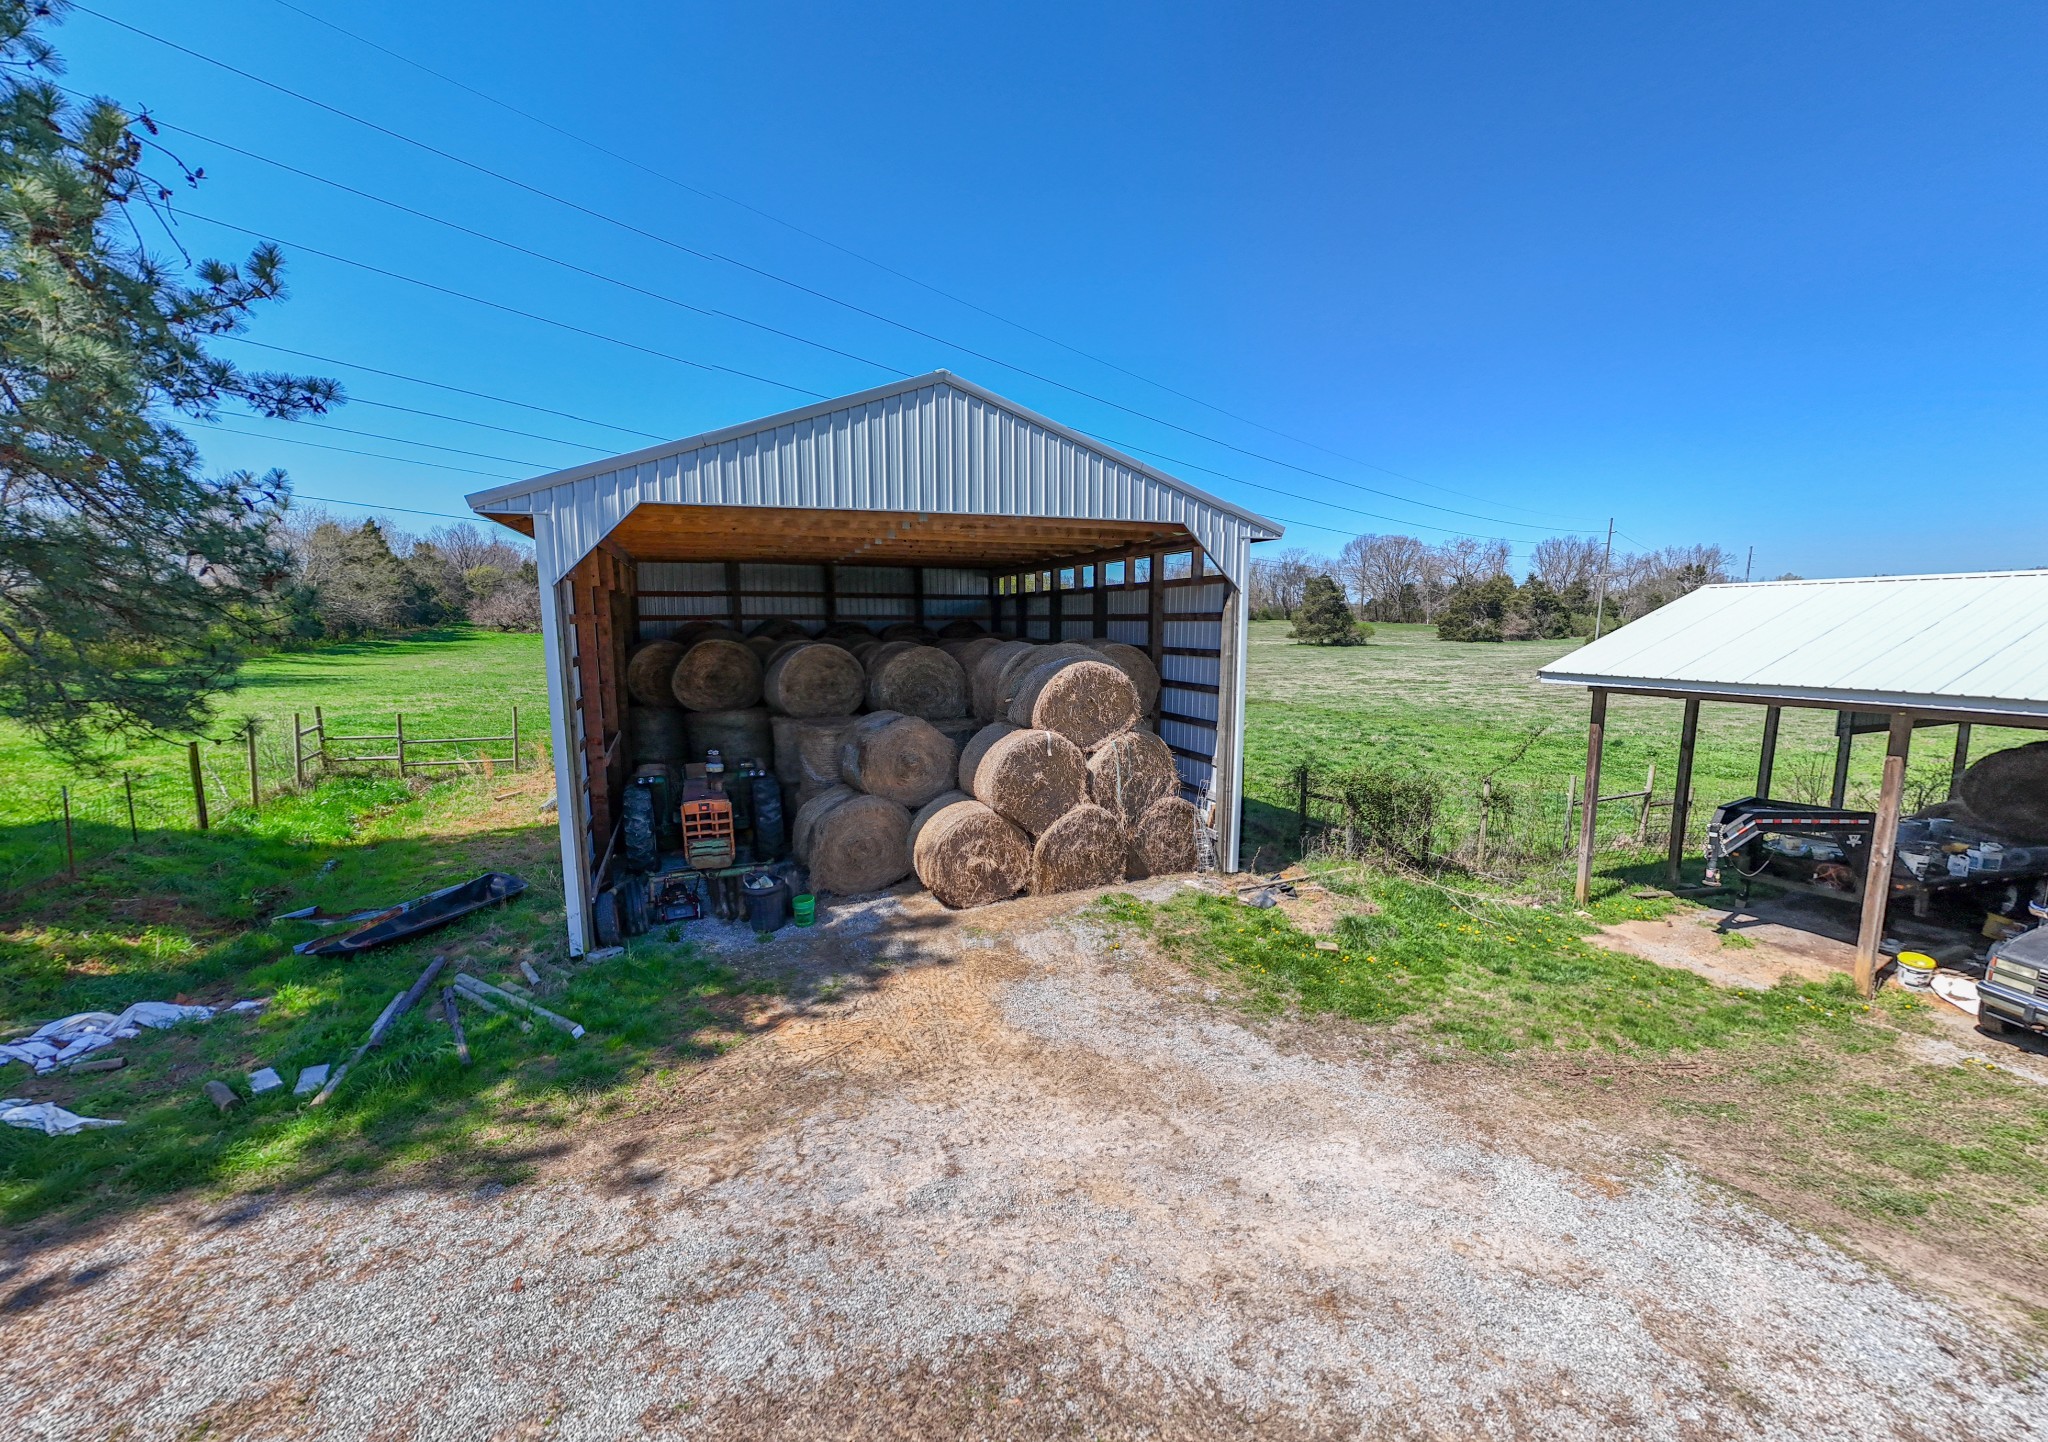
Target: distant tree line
(1465, 589)
(351, 579)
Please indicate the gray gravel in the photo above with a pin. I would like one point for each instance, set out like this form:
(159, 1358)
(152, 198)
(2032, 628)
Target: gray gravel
(1018, 1192)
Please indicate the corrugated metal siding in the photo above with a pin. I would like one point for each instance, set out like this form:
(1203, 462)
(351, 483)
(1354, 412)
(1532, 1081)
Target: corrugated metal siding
(1971, 642)
(940, 447)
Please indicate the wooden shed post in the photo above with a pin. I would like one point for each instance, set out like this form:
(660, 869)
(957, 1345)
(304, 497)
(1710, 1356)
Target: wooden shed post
(1844, 735)
(1589, 811)
(1962, 761)
(1768, 761)
(1884, 839)
(1681, 791)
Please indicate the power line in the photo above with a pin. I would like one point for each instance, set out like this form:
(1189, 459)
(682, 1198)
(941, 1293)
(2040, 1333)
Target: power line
(348, 450)
(465, 421)
(882, 266)
(877, 316)
(373, 506)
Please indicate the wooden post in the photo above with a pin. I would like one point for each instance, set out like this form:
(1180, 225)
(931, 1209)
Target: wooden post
(400, 732)
(1101, 603)
(1643, 815)
(1768, 761)
(1589, 813)
(128, 786)
(255, 792)
(1571, 801)
(917, 594)
(1843, 737)
(298, 753)
(1884, 840)
(1962, 761)
(198, 783)
(1301, 808)
(1681, 792)
(515, 738)
(320, 725)
(1155, 613)
(1485, 810)
(70, 853)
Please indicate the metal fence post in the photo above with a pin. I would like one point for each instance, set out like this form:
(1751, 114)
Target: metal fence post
(255, 794)
(401, 742)
(128, 785)
(515, 738)
(70, 854)
(198, 782)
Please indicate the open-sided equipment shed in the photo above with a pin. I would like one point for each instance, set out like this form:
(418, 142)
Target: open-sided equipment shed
(926, 500)
(1886, 653)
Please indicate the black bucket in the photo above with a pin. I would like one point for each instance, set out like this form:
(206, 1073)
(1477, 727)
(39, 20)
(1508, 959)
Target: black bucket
(767, 906)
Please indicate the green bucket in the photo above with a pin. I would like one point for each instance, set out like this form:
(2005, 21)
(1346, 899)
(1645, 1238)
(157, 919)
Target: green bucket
(804, 909)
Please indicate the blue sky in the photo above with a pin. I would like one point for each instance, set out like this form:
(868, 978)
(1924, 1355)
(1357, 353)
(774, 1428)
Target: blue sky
(1762, 275)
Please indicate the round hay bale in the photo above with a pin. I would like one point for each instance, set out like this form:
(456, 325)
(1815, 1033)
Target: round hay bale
(782, 628)
(1085, 701)
(810, 813)
(976, 747)
(737, 735)
(909, 631)
(763, 647)
(863, 650)
(957, 729)
(812, 679)
(904, 758)
(916, 680)
(788, 757)
(846, 631)
(1019, 668)
(1162, 842)
(718, 674)
(648, 669)
(1083, 848)
(817, 749)
(961, 629)
(1135, 664)
(655, 733)
(969, 653)
(985, 676)
(691, 632)
(1031, 777)
(1129, 772)
(859, 844)
(965, 854)
(2009, 790)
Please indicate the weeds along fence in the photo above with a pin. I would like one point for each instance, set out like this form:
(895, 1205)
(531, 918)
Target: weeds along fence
(51, 830)
(1417, 817)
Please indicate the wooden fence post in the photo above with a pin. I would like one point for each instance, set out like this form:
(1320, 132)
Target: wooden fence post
(1350, 827)
(1571, 806)
(128, 785)
(255, 792)
(70, 853)
(298, 752)
(515, 738)
(401, 743)
(1301, 809)
(1643, 819)
(320, 725)
(1485, 810)
(198, 782)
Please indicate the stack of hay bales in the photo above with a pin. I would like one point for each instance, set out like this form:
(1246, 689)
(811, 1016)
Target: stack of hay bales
(1060, 789)
(986, 765)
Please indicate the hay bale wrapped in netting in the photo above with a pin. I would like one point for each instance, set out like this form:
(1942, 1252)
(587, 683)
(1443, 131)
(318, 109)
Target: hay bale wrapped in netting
(1129, 772)
(648, 669)
(656, 733)
(1019, 669)
(965, 854)
(904, 758)
(1086, 701)
(738, 735)
(976, 747)
(1083, 848)
(846, 631)
(718, 674)
(859, 844)
(985, 678)
(957, 729)
(782, 628)
(691, 632)
(961, 629)
(764, 647)
(2009, 791)
(909, 631)
(810, 813)
(1135, 664)
(788, 760)
(1031, 777)
(811, 678)
(1162, 841)
(817, 750)
(916, 680)
(969, 653)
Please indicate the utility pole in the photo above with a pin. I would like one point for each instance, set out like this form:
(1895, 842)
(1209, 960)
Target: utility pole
(1606, 560)
(1746, 565)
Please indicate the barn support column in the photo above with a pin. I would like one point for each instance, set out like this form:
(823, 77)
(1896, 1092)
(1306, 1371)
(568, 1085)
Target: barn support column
(569, 812)
(1589, 809)
(1681, 794)
(1769, 759)
(1845, 737)
(1962, 759)
(1884, 840)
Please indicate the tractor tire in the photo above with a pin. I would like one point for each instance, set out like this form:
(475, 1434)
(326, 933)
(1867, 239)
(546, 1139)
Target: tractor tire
(641, 852)
(604, 914)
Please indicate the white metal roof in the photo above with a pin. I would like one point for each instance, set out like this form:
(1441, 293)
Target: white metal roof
(931, 443)
(1973, 642)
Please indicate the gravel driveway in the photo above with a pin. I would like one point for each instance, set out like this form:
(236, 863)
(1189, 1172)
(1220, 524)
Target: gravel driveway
(1026, 1185)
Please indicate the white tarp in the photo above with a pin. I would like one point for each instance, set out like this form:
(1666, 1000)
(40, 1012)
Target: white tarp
(47, 1117)
(70, 1038)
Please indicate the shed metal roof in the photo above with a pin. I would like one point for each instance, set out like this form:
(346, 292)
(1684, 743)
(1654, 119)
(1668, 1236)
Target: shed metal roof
(931, 444)
(1975, 642)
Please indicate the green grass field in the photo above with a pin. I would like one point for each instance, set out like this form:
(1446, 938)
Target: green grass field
(1471, 710)
(454, 682)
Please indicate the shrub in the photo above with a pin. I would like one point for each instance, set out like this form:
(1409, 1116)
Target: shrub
(1325, 616)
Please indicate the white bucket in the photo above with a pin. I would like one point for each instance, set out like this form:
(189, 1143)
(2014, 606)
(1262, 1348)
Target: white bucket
(1916, 970)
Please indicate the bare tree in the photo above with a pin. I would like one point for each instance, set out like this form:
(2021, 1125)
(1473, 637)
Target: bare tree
(1384, 574)
(1565, 562)
(1277, 581)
